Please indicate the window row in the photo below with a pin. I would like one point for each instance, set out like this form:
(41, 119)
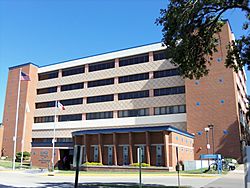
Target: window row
(170, 110)
(142, 58)
(121, 96)
(110, 81)
(109, 114)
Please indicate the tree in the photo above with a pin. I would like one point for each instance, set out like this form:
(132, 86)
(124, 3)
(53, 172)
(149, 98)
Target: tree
(190, 32)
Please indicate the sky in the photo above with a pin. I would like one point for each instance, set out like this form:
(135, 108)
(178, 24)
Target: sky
(49, 31)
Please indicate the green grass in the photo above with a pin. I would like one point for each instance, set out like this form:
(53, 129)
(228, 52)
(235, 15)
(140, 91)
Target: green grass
(8, 164)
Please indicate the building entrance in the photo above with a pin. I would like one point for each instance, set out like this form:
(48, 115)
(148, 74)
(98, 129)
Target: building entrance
(66, 158)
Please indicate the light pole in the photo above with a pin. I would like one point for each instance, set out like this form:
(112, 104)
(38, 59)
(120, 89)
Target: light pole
(211, 126)
(207, 138)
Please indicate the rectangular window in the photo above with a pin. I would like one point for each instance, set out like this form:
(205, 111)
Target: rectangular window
(44, 119)
(170, 109)
(133, 95)
(159, 55)
(69, 102)
(166, 73)
(46, 90)
(102, 98)
(45, 104)
(48, 75)
(133, 113)
(135, 77)
(99, 115)
(101, 66)
(71, 117)
(103, 82)
(169, 91)
(72, 87)
(73, 70)
(143, 58)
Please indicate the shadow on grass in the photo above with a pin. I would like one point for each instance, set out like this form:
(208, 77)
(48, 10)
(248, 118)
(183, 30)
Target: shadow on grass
(105, 185)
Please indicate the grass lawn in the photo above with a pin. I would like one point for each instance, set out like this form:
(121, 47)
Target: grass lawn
(8, 164)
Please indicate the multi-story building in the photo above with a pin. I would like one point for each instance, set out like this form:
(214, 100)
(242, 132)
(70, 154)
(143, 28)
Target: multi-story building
(119, 101)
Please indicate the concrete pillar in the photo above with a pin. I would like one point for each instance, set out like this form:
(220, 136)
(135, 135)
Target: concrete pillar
(147, 147)
(116, 62)
(100, 148)
(86, 68)
(115, 149)
(60, 73)
(151, 75)
(151, 57)
(166, 148)
(130, 148)
(86, 147)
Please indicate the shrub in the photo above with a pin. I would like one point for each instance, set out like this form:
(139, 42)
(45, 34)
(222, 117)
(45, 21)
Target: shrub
(92, 164)
(142, 164)
(26, 155)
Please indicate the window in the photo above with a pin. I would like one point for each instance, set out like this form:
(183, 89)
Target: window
(45, 104)
(170, 109)
(133, 95)
(73, 70)
(133, 113)
(135, 77)
(99, 115)
(101, 66)
(169, 91)
(166, 73)
(133, 60)
(69, 102)
(46, 90)
(71, 117)
(44, 119)
(64, 140)
(159, 55)
(103, 82)
(48, 75)
(72, 87)
(102, 98)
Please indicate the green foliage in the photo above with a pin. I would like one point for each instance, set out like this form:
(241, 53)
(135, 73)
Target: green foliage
(191, 34)
(142, 164)
(26, 155)
(92, 164)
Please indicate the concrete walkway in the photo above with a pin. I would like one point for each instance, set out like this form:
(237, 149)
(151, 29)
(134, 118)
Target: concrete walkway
(234, 179)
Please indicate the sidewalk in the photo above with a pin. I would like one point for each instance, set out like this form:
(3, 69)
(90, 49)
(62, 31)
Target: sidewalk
(234, 179)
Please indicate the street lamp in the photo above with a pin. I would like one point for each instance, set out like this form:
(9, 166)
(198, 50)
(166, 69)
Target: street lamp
(211, 126)
(207, 138)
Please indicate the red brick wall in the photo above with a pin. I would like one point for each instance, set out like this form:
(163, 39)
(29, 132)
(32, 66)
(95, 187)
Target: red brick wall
(209, 92)
(27, 95)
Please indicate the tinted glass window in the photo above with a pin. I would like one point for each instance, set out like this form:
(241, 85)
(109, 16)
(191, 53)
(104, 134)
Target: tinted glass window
(159, 55)
(47, 90)
(45, 104)
(135, 77)
(133, 60)
(133, 113)
(166, 73)
(170, 109)
(102, 98)
(101, 66)
(48, 75)
(101, 82)
(73, 70)
(99, 115)
(44, 119)
(72, 117)
(69, 102)
(72, 87)
(169, 91)
(133, 95)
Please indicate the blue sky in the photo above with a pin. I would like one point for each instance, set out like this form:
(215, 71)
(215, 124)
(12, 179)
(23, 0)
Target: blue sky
(50, 31)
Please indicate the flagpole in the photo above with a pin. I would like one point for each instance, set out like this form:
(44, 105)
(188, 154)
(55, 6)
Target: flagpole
(24, 130)
(17, 111)
(53, 141)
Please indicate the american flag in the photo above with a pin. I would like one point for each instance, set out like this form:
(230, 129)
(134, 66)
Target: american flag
(25, 77)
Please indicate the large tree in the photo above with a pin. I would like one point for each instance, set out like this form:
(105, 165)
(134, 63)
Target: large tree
(190, 32)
